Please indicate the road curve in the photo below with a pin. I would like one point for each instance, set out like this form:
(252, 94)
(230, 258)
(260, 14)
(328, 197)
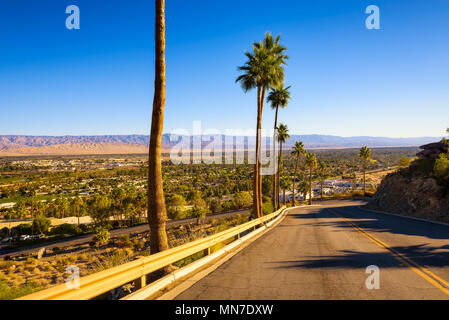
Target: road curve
(322, 252)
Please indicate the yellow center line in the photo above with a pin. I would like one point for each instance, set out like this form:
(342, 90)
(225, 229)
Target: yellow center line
(423, 272)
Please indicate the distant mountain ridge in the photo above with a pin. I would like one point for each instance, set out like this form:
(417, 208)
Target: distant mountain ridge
(104, 144)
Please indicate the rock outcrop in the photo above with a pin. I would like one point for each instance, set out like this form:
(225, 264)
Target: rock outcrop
(432, 150)
(412, 196)
(412, 193)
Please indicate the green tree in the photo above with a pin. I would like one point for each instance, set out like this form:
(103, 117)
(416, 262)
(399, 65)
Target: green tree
(102, 235)
(78, 205)
(365, 155)
(285, 184)
(404, 162)
(441, 170)
(215, 205)
(199, 209)
(41, 224)
(176, 206)
(278, 97)
(242, 200)
(297, 152)
(303, 187)
(101, 211)
(322, 173)
(310, 163)
(263, 70)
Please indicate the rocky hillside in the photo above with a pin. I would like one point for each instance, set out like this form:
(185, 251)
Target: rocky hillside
(422, 190)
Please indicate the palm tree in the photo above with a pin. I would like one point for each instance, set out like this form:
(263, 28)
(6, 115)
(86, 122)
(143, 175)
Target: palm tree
(282, 137)
(310, 162)
(322, 174)
(365, 155)
(77, 204)
(303, 186)
(278, 97)
(263, 70)
(157, 214)
(285, 184)
(297, 152)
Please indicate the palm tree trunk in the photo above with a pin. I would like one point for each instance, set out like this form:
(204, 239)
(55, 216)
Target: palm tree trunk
(310, 186)
(256, 211)
(364, 179)
(294, 179)
(278, 174)
(321, 189)
(275, 177)
(259, 126)
(157, 214)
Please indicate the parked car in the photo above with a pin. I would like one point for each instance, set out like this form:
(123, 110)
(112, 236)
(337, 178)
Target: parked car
(24, 237)
(6, 240)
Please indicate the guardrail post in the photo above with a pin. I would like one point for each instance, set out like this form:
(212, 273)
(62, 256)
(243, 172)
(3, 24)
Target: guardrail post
(143, 281)
(206, 252)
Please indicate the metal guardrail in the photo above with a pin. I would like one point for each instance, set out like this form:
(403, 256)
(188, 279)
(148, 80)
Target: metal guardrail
(96, 284)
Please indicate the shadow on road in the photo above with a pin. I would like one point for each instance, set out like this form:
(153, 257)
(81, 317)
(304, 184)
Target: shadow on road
(425, 254)
(422, 254)
(375, 222)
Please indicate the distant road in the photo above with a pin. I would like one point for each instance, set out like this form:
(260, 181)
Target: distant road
(323, 252)
(132, 230)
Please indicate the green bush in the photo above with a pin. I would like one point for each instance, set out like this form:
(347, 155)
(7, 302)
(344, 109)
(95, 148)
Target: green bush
(423, 167)
(441, 170)
(10, 292)
(56, 249)
(23, 228)
(125, 241)
(102, 235)
(41, 224)
(176, 207)
(267, 207)
(65, 228)
(242, 199)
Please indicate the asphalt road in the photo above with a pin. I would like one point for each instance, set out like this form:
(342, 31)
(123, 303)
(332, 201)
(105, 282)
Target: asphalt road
(132, 230)
(322, 252)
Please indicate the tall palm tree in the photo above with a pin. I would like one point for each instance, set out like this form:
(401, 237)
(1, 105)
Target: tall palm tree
(278, 98)
(282, 137)
(263, 70)
(310, 162)
(157, 214)
(365, 155)
(322, 174)
(297, 152)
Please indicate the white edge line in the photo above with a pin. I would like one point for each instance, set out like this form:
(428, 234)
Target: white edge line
(407, 217)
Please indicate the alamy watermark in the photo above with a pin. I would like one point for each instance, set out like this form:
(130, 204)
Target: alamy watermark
(73, 20)
(373, 20)
(229, 146)
(373, 281)
(73, 280)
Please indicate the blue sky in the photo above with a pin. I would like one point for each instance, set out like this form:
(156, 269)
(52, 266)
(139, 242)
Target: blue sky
(346, 80)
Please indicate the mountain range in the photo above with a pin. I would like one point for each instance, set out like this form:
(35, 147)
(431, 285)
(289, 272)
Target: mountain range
(18, 145)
